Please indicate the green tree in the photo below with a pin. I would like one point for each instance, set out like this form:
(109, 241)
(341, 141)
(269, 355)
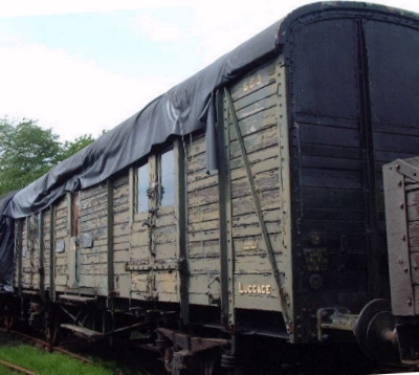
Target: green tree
(69, 148)
(27, 151)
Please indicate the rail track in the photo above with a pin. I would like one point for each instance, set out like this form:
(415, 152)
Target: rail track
(16, 368)
(43, 344)
(134, 359)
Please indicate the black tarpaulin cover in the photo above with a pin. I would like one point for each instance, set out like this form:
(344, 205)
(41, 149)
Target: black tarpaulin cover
(183, 109)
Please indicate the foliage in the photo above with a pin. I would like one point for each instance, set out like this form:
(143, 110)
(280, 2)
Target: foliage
(27, 151)
(70, 148)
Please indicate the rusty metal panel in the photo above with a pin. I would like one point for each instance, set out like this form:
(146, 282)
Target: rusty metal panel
(402, 297)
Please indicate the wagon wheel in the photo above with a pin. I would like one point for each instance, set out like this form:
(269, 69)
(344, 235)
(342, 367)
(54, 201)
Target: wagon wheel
(373, 321)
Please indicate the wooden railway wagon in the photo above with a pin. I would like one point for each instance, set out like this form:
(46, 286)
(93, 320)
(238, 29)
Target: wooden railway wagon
(247, 200)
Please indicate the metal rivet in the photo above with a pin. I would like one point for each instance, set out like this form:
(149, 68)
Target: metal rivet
(401, 206)
(399, 183)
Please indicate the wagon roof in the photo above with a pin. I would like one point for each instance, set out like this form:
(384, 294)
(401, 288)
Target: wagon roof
(185, 108)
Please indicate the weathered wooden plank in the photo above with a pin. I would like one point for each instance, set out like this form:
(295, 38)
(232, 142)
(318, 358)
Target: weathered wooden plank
(202, 226)
(256, 157)
(140, 238)
(93, 251)
(256, 141)
(140, 282)
(61, 234)
(253, 264)
(166, 251)
(196, 182)
(203, 250)
(203, 212)
(122, 179)
(139, 224)
(94, 258)
(255, 123)
(257, 107)
(99, 283)
(255, 245)
(61, 279)
(197, 146)
(272, 216)
(266, 93)
(253, 230)
(121, 229)
(413, 235)
(262, 166)
(121, 206)
(196, 165)
(94, 269)
(140, 255)
(93, 205)
(61, 261)
(122, 238)
(204, 236)
(263, 76)
(166, 283)
(61, 222)
(204, 265)
(121, 256)
(121, 247)
(412, 201)
(268, 180)
(98, 233)
(100, 214)
(204, 196)
(61, 213)
(122, 190)
(167, 219)
(94, 191)
(165, 234)
(204, 289)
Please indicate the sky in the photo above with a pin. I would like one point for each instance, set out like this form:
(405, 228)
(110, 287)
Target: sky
(83, 66)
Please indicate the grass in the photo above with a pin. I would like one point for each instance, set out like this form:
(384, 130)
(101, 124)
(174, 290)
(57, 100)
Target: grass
(44, 363)
(7, 371)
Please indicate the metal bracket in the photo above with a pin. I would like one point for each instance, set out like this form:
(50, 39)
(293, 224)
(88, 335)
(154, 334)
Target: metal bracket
(337, 318)
(192, 344)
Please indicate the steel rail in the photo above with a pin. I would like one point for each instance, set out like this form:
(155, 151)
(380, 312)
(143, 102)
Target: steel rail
(47, 346)
(14, 367)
